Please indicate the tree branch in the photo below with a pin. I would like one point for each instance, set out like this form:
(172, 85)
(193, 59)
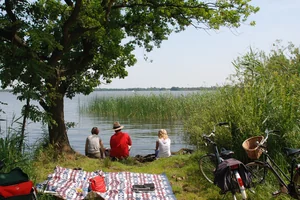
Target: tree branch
(70, 21)
(11, 36)
(44, 105)
(69, 3)
(82, 60)
(8, 8)
(76, 65)
(80, 31)
(66, 38)
(9, 33)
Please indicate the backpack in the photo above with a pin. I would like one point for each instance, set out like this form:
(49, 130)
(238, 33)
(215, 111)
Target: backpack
(15, 185)
(20, 189)
(223, 175)
(15, 176)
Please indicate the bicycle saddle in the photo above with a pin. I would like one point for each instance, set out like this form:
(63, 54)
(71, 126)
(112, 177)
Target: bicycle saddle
(225, 152)
(291, 152)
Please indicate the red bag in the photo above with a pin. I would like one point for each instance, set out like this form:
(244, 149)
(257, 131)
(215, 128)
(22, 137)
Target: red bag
(16, 189)
(98, 184)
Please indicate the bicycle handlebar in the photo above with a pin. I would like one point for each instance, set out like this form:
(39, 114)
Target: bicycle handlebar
(267, 132)
(207, 137)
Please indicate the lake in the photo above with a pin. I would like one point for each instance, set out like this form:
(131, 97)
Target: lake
(143, 135)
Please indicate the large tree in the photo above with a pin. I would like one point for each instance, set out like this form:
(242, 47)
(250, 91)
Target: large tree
(53, 48)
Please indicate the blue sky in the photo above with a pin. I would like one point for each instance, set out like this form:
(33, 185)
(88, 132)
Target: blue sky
(195, 58)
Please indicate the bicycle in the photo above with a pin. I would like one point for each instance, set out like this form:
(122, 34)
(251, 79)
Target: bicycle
(212, 164)
(268, 172)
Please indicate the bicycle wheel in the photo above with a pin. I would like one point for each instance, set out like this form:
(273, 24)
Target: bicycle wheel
(297, 184)
(263, 178)
(207, 165)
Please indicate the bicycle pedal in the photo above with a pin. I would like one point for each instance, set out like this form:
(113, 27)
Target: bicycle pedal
(276, 193)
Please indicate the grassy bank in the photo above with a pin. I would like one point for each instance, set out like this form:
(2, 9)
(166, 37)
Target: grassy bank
(182, 171)
(176, 167)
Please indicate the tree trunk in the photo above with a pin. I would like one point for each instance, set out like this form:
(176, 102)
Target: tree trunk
(26, 113)
(57, 131)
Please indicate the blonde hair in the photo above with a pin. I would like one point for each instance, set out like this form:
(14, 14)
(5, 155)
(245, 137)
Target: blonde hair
(162, 133)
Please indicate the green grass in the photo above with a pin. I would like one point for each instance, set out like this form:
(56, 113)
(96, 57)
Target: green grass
(192, 186)
(182, 171)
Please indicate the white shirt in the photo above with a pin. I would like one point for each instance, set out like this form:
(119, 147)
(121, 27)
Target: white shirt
(164, 147)
(93, 143)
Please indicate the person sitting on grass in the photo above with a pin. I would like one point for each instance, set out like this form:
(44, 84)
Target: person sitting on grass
(120, 143)
(93, 145)
(163, 145)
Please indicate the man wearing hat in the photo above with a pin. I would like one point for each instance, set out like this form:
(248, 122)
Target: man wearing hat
(120, 143)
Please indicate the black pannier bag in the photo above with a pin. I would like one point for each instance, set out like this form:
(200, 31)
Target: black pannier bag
(222, 175)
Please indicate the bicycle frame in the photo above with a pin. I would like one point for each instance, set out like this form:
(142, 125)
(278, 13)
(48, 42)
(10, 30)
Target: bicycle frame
(277, 171)
(217, 154)
(216, 150)
(285, 180)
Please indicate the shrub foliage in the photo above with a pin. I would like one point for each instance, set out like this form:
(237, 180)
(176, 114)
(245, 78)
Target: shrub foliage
(262, 94)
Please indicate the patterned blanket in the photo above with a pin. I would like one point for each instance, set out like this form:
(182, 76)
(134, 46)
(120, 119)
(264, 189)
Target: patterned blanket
(74, 185)
(119, 186)
(68, 183)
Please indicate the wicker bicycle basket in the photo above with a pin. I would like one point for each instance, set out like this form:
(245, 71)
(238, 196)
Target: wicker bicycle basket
(251, 148)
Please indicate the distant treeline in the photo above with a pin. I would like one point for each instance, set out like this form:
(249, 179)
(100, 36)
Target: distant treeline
(149, 89)
(158, 89)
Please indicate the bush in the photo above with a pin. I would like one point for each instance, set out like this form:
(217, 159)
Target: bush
(263, 93)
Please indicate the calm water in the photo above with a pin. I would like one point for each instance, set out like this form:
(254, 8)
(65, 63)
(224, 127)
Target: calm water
(143, 135)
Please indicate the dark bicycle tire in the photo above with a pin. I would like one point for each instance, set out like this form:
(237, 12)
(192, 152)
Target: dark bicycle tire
(263, 177)
(207, 166)
(297, 184)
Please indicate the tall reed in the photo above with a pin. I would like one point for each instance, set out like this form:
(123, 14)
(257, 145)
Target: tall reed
(145, 107)
(14, 149)
(10, 153)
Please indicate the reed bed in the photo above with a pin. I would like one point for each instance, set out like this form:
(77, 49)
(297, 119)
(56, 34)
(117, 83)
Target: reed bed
(145, 107)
